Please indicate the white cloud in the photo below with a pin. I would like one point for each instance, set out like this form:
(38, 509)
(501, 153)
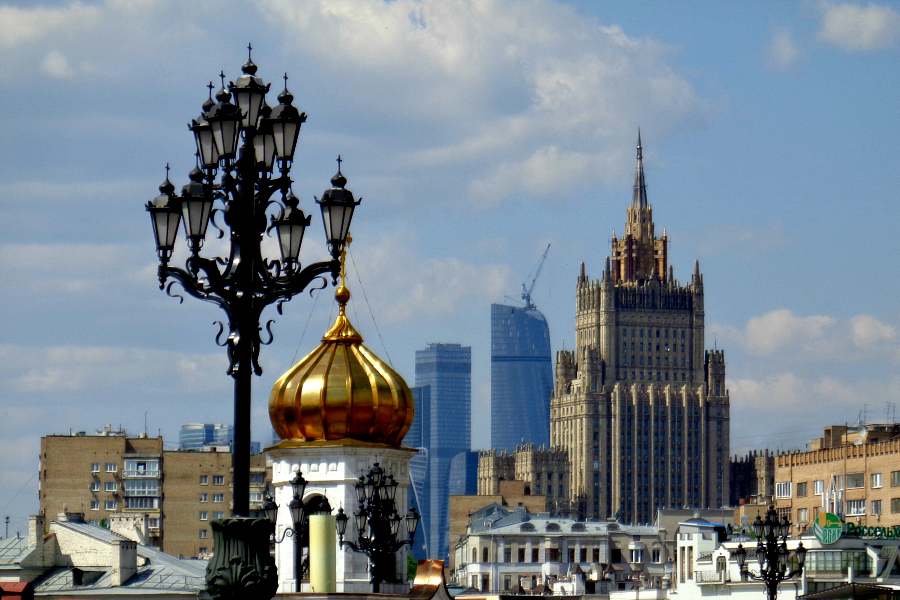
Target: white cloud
(72, 369)
(859, 28)
(780, 328)
(551, 91)
(410, 287)
(783, 52)
(56, 65)
(868, 331)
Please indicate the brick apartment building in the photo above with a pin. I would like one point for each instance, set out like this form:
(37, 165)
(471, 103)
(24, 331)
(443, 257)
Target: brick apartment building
(854, 471)
(110, 474)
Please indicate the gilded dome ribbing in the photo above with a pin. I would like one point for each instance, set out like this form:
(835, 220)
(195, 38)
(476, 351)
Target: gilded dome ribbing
(341, 391)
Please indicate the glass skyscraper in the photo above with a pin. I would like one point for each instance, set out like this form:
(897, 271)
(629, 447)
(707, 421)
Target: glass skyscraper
(521, 377)
(444, 415)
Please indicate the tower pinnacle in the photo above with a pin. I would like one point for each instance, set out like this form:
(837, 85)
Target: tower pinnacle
(639, 197)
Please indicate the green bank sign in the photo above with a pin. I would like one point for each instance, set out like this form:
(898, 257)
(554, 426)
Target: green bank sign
(828, 528)
(884, 533)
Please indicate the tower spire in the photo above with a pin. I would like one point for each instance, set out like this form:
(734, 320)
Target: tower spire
(639, 197)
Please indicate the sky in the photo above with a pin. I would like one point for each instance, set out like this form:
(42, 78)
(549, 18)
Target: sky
(477, 132)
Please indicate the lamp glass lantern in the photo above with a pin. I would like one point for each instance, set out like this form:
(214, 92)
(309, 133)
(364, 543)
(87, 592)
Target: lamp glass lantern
(290, 226)
(249, 93)
(225, 120)
(166, 216)
(296, 508)
(361, 517)
(264, 145)
(412, 522)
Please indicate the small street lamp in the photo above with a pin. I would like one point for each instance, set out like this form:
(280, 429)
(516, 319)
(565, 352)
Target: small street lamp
(771, 550)
(250, 146)
(300, 512)
(377, 524)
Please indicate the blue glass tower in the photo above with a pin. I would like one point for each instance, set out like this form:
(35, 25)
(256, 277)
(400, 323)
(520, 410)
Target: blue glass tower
(521, 377)
(446, 427)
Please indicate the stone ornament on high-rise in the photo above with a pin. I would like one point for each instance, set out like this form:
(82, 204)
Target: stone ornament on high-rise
(640, 405)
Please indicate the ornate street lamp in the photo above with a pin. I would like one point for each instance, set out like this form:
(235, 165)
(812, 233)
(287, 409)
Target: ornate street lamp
(378, 524)
(250, 146)
(776, 562)
(300, 512)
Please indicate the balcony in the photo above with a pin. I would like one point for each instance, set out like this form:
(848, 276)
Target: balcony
(140, 473)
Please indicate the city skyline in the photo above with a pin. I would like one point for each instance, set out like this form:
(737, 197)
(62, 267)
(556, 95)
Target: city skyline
(476, 133)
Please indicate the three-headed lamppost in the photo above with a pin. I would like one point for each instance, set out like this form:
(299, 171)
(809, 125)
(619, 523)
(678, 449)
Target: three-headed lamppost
(300, 512)
(377, 524)
(776, 562)
(251, 146)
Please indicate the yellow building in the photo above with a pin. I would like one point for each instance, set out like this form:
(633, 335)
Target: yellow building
(853, 471)
(177, 492)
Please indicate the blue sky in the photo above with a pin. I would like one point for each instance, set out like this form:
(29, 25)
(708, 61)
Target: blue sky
(477, 132)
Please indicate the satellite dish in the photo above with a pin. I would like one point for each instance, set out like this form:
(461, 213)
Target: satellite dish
(862, 431)
(858, 442)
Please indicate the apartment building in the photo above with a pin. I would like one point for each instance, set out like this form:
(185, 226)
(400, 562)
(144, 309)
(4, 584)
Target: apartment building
(853, 472)
(109, 474)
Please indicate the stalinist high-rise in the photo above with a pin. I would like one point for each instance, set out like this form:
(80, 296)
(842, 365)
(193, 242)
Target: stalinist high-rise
(640, 404)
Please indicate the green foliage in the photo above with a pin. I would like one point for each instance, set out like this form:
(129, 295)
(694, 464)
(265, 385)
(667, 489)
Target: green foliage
(104, 523)
(411, 564)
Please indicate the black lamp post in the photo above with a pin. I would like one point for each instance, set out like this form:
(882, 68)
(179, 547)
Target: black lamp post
(300, 512)
(377, 524)
(251, 147)
(775, 560)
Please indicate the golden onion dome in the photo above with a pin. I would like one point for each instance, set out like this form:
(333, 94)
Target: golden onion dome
(341, 393)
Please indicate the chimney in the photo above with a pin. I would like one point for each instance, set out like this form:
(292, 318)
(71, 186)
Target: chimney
(36, 532)
(123, 561)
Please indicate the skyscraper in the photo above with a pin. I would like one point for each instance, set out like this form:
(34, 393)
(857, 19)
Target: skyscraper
(446, 423)
(193, 436)
(640, 405)
(521, 377)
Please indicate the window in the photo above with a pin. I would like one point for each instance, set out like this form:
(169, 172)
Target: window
(203, 479)
(110, 486)
(803, 515)
(819, 487)
(141, 468)
(220, 498)
(95, 468)
(856, 480)
(204, 516)
(153, 522)
(204, 497)
(218, 514)
(801, 490)
(142, 503)
(655, 554)
(110, 467)
(856, 507)
(783, 489)
(876, 480)
(218, 480)
(95, 505)
(95, 486)
(109, 505)
(637, 556)
(876, 507)
(257, 478)
(895, 505)
(202, 550)
(895, 478)
(256, 497)
(141, 487)
(202, 534)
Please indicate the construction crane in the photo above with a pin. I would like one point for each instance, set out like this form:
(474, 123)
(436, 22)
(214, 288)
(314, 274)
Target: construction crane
(526, 291)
